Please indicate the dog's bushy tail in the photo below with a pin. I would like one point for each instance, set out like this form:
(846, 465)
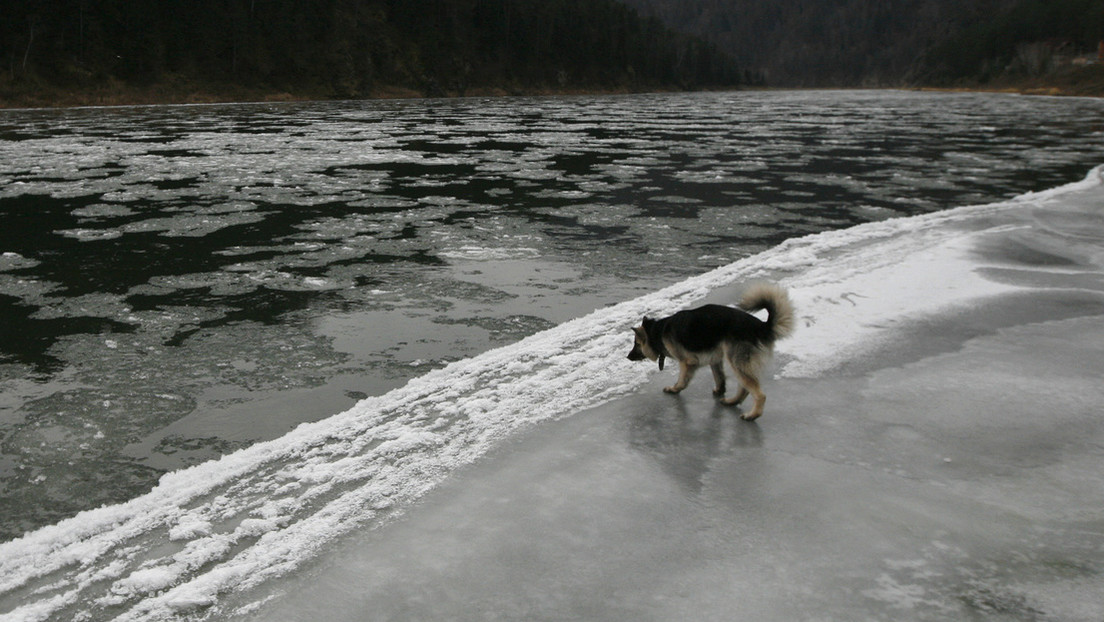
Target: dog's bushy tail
(780, 311)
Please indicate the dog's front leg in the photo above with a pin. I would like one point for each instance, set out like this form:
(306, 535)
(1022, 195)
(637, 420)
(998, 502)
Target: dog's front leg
(686, 372)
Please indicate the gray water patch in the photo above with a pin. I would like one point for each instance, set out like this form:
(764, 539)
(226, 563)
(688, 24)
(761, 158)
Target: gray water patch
(72, 443)
(476, 252)
(68, 445)
(503, 329)
(82, 423)
(380, 202)
(91, 235)
(341, 228)
(238, 280)
(89, 305)
(28, 289)
(183, 225)
(192, 450)
(441, 294)
(385, 337)
(282, 358)
(15, 261)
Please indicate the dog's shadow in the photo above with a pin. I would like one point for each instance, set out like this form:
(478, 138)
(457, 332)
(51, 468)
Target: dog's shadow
(685, 439)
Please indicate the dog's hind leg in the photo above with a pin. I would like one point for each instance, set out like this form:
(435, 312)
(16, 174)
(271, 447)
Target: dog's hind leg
(686, 372)
(718, 379)
(734, 357)
(750, 385)
(740, 397)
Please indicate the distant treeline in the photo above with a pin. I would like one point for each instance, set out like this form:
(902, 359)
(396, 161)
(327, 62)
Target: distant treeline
(351, 48)
(1026, 38)
(886, 42)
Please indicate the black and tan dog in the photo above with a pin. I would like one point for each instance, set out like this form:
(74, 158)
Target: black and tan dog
(713, 334)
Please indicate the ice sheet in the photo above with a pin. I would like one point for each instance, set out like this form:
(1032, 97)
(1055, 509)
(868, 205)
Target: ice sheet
(950, 484)
(210, 534)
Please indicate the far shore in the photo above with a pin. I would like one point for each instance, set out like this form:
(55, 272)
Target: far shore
(126, 95)
(117, 94)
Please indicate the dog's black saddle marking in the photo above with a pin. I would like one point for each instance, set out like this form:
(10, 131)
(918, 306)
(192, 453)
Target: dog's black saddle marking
(704, 328)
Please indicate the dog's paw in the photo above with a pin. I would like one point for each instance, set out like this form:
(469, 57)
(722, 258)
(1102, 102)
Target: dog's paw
(671, 390)
(751, 416)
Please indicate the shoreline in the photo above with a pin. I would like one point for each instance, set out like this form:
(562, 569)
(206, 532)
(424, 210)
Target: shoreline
(167, 95)
(1037, 91)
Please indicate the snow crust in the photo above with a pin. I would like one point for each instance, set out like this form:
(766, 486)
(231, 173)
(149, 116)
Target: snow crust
(228, 525)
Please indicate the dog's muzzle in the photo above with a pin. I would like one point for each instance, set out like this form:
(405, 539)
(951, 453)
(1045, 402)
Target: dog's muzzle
(636, 354)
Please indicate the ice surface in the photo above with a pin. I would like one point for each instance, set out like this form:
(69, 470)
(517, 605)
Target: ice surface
(949, 484)
(207, 536)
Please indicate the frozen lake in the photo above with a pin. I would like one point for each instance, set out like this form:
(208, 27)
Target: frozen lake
(182, 282)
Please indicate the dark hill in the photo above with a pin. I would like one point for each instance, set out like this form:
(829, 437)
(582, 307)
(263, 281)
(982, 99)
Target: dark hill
(895, 42)
(172, 49)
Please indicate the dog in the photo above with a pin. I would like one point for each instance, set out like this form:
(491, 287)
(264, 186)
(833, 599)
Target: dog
(713, 334)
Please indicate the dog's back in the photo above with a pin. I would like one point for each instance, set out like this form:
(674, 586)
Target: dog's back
(705, 328)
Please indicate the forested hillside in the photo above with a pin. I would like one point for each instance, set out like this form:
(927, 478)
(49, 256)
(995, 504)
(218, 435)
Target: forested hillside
(118, 51)
(344, 48)
(890, 42)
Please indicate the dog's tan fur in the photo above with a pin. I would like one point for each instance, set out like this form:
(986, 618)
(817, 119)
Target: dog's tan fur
(746, 343)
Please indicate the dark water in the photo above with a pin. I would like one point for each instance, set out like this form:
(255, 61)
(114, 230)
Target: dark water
(179, 282)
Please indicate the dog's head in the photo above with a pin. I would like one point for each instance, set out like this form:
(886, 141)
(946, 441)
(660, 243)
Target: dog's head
(642, 349)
